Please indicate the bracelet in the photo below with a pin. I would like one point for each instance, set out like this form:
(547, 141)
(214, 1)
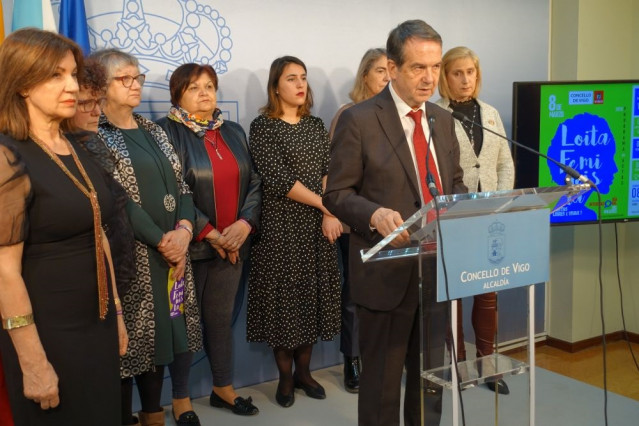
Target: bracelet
(182, 226)
(17, 322)
(219, 234)
(118, 311)
(246, 222)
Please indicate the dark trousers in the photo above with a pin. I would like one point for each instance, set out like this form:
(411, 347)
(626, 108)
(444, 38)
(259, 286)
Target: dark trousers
(216, 283)
(349, 338)
(390, 341)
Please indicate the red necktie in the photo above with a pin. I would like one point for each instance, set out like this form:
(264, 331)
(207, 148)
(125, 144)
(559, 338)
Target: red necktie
(419, 142)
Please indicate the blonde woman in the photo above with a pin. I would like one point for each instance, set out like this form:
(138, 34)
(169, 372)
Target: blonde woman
(488, 166)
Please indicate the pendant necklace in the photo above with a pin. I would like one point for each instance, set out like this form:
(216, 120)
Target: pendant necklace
(214, 143)
(169, 200)
(90, 192)
(469, 127)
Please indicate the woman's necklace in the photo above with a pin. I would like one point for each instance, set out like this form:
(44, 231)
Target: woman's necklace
(471, 127)
(462, 106)
(90, 192)
(169, 200)
(214, 143)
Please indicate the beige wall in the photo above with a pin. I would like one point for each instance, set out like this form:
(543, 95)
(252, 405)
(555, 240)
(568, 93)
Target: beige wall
(608, 34)
(564, 39)
(593, 40)
(574, 312)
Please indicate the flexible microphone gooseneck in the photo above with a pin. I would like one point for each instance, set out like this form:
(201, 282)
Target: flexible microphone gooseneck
(430, 180)
(434, 192)
(567, 169)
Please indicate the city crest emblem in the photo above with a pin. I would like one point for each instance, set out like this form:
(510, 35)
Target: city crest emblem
(162, 34)
(496, 242)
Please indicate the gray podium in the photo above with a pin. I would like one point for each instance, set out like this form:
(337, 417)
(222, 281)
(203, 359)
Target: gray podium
(481, 242)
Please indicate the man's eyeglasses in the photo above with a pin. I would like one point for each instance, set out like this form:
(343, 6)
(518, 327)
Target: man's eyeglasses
(89, 105)
(127, 80)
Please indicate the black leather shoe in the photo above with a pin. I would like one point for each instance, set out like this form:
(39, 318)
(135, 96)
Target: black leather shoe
(317, 392)
(285, 400)
(240, 406)
(351, 374)
(133, 422)
(502, 387)
(188, 418)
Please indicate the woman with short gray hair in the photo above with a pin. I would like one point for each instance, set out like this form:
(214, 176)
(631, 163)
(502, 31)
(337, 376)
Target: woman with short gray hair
(163, 323)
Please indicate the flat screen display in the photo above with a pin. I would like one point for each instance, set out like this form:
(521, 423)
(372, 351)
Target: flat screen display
(591, 126)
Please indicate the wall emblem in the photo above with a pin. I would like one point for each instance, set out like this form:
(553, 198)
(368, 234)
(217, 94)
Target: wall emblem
(162, 34)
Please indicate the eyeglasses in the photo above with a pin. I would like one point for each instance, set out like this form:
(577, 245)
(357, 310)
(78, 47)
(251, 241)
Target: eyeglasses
(127, 80)
(88, 105)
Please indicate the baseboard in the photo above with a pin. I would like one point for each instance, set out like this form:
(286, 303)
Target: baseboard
(539, 342)
(587, 343)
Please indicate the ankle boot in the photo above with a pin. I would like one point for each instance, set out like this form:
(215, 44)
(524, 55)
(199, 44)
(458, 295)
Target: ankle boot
(152, 419)
(135, 421)
(351, 374)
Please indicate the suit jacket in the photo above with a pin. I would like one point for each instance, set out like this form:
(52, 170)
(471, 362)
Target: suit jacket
(494, 166)
(371, 167)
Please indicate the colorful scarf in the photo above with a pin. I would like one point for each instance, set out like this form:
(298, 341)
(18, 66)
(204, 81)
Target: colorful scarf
(197, 125)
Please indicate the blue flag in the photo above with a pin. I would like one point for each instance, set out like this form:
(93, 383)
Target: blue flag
(73, 23)
(33, 13)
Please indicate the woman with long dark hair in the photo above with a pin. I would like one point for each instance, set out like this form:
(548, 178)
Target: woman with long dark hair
(294, 282)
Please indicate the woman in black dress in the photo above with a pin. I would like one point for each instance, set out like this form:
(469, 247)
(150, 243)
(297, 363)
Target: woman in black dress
(57, 298)
(294, 281)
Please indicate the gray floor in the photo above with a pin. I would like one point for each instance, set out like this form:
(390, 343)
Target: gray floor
(561, 401)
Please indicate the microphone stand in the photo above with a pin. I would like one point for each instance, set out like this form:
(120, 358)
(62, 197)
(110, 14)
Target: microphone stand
(434, 192)
(567, 169)
(576, 175)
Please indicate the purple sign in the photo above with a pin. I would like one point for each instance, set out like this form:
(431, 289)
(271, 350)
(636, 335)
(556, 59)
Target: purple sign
(176, 298)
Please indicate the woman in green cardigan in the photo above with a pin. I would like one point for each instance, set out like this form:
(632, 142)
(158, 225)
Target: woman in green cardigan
(160, 309)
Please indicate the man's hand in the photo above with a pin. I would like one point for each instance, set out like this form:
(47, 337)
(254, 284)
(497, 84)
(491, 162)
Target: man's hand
(386, 221)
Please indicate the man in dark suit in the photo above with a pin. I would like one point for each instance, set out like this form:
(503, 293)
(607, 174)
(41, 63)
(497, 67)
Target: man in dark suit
(373, 185)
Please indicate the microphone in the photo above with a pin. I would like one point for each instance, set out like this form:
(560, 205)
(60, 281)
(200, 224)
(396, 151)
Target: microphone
(430, 180)
(567, 169)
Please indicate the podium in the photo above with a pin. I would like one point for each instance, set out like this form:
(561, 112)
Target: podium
(480, 242)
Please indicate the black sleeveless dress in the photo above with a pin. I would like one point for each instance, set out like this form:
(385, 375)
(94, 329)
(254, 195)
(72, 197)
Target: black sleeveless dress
(59, 271)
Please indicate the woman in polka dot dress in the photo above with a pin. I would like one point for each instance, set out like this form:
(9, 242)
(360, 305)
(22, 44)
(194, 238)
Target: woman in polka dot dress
(294, 282)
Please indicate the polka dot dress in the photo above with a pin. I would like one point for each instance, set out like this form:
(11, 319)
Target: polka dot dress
(294, 282)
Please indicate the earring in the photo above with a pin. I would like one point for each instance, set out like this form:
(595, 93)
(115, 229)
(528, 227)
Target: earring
(277, 93)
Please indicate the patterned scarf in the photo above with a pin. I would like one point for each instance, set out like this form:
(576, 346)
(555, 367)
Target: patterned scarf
(197, 125)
